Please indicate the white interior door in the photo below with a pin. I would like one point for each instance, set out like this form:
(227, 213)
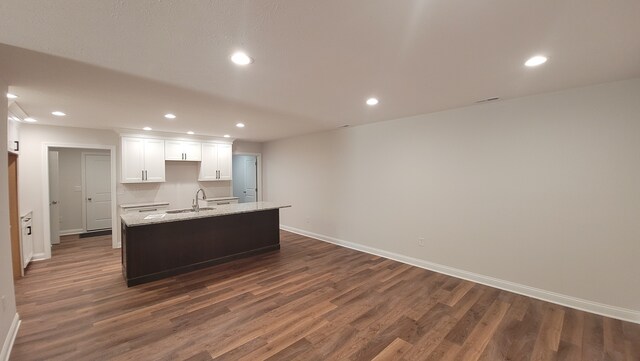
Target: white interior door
(245, 181)
(54, 207)
(250, 179)
(97, 175)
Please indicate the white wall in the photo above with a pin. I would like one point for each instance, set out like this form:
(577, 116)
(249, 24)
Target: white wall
(246, 147)
(8, 307)
(70, 190)
(179, 189)
(543, 191)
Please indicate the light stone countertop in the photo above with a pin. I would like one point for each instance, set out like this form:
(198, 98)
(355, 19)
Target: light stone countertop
(141, 219)
(141, 205)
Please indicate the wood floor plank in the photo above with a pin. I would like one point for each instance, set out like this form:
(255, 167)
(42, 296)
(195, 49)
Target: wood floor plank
(309, 301)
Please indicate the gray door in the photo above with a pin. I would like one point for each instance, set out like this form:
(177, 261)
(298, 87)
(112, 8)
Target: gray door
(245, 178)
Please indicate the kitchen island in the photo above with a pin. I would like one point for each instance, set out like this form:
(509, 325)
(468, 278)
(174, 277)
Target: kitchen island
(168, 243)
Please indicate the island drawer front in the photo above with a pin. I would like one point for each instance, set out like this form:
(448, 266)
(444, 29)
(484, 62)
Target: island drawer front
(160, 250)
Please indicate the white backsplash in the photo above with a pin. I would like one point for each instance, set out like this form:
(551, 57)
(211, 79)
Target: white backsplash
(180, 187)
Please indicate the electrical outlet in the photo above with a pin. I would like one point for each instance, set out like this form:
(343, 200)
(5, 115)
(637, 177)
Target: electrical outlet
(421, 242)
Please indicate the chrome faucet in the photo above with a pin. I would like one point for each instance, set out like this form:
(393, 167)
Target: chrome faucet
(196, 205)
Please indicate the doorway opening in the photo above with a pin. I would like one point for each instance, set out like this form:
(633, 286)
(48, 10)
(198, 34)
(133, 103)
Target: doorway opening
(246, 177)
(79, 192)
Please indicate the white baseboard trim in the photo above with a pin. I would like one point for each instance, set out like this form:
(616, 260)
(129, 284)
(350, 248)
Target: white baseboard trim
(553, 297)
(70, 232)
(38, 257)
(10, 339)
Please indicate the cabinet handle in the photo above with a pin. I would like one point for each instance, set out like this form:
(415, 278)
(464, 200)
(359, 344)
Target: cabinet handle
(221, 203)
(146, 176)
(28, 230)
(142, 176)
(17, 148)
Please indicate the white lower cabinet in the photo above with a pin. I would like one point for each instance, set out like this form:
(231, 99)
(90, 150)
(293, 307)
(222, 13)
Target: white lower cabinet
(26, 238)
(216, 162)
(13, 141)
(142, 160)
(219, 202)
(146, 208)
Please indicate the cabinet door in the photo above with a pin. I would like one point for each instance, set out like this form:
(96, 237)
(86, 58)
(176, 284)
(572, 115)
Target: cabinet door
(12, 136)
(154, 160)
(132, 160)
(27, 245)
(193, 151)
(209, 164)
(224, 161)
(173, 150)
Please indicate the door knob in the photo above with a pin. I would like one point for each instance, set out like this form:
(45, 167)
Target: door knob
(89, 199)
(54, 202)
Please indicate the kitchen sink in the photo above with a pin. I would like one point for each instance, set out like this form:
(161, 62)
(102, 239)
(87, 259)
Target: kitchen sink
(188, 210)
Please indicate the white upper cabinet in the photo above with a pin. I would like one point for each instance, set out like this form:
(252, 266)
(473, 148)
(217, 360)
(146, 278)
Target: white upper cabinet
(154, 160)
(142, 160)
(224, 161)
(216, 162)
(13, 141)
(180, 150)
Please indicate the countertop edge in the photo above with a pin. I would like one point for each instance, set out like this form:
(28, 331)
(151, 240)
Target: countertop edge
(221, 211)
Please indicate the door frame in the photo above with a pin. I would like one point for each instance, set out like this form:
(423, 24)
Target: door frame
(57, 188)
(83, 157)
(259, 172)
(15, 221)
(115, 227)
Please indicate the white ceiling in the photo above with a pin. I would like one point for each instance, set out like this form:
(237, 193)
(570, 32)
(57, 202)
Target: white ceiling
(123, 64)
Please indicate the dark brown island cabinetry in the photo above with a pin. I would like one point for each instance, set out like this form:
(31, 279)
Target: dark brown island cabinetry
(158, 250)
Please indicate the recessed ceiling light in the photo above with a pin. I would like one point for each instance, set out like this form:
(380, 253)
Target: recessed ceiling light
(11, 96)
(536, 60)
(191, 132)
(170, 116)
(240, 125)
(146, 128)
(30, 120)
(227, 136)
(372, 101)
(241, 58)
(58, 114)
(16, 119)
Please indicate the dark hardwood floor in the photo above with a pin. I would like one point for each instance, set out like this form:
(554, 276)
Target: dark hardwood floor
(309, 301)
